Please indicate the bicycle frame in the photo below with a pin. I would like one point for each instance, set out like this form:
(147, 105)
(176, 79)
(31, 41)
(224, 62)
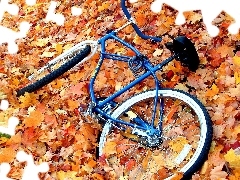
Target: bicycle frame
(98, 105)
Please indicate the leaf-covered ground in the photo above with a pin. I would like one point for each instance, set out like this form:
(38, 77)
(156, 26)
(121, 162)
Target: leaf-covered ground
(52, 129)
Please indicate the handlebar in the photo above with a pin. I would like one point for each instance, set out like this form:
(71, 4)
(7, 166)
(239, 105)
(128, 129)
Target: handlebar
(135, 27)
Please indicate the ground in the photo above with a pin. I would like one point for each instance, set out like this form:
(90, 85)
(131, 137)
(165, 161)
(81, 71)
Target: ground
(51, 127)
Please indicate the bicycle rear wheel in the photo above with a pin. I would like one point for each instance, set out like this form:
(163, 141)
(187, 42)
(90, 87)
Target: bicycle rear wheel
(55, 73)
(186, 135)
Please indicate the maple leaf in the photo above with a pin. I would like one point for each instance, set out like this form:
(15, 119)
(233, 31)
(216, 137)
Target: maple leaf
(193, 17)
(67, 47)
(215, 156)
(130, 164)
(76, 89)
(122, 146)
(29, 136)
(213, 91)
(232, 158)
(237, 77)
(35, 119)
(235, 174)
(7, 154)
(105, 5)
(27, 100)
(236, 132)
(219, 130)
(41, 42)
(59, 48)
(97, 176)
(75, 77)
(15, 139)
(161, 174)
(61, 175)
(236, 60)
(58, 83)
(47, 54)
(178, 143)
(225, 51)
(157, 52)
(110, 148)
(72, 104)
(177, 176)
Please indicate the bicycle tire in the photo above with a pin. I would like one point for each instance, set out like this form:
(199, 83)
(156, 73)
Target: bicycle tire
(202, 149)
(56, 73)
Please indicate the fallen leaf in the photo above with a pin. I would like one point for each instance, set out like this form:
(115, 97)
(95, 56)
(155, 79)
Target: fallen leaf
(232, 158)
(157, 52)
(7, 155)
(59, 48)
(35, 119)
(47, 54)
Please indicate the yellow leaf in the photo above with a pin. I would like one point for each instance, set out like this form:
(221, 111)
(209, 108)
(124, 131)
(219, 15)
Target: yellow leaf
(58, 83)
(237, 77)
(157, 52)
(67, 47)
(215, 88)
(236, 60)
(137, 39)
(120, 51)
(100, 8)
(104, 6)
(38, 27)
(118, 86)
(195, 17)
(204, 168)
(110, 148)
(232, 158)
(159, 159)
(87, 168)
(59, 48)
(213, 91)
(123, 178)
(3, 140)
(47, 54)
(131, 114)
(27, 100)
(177, 176)
(61, 175)
(146, 160)
(236, 132)
(41, 42)
(177, 144)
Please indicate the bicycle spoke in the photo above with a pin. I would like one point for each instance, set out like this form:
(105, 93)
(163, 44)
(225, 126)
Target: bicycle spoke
(181, 132)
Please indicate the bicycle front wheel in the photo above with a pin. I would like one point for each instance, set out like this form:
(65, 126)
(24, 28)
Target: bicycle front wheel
(55, 73)
(186, 136)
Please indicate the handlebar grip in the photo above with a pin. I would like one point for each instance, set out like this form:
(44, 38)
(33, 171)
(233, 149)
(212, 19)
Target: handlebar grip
(135, 27)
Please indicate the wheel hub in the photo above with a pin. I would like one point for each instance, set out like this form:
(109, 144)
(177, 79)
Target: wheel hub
(148, 138)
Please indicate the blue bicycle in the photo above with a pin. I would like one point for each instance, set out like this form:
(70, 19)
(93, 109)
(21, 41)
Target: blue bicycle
(162, 132)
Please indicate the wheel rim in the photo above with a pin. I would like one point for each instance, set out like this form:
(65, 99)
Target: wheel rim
(179, 151)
